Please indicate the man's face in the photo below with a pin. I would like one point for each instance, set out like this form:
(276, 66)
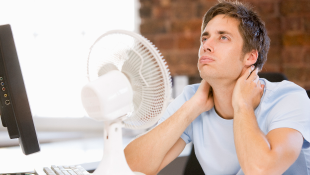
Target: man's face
(220, 52)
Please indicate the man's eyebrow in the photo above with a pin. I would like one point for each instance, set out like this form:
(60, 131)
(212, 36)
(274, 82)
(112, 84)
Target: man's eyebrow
(223, 32)
(205, 34)
(218, 32)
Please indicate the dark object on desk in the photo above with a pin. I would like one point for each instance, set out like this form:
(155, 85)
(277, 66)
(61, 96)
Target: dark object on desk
(15, 110)
(193, 166)
(272, 76)
(175, 167)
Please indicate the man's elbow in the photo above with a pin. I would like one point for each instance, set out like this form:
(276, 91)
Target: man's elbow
(262, 169)
(135, 163)
(255, 171)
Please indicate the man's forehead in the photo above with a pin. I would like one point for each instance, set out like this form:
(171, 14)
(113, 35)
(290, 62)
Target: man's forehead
(222, 23)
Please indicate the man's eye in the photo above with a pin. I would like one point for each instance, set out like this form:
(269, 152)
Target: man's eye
(224, 38)
(204, 39)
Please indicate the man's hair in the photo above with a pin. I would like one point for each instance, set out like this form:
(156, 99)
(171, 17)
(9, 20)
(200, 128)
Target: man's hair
(251, 27)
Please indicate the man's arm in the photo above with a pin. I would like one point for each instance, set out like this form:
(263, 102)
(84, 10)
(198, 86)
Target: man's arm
(259, 153)
(154, 150)
(173, 153)
(146, 153)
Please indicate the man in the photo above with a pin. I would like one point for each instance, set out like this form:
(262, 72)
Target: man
(237, 122)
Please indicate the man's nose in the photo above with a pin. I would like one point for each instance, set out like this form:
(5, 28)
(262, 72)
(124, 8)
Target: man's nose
(208, 45)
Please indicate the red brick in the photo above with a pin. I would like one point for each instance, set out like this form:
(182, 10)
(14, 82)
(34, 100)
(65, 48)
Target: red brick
(295, 74)
(271, 68)
(300, 83)
(273, 25)
(152, 27)
(186, 26)
(290, 24)
(259, 1)
(188, 41)
(293, 56)
(275, 39)
(289, 7)
(264, 8)
(296, 40)
(150, 37)
(274, 55)
(202, 8)
(182, 63)
(307, 85)
(161, 12)
(208, 1)
(165, 42)
(145, 12)
(183, 69)
(145, 3)
(306, 58)
(189, 1)
(307, 74)
(307, 24)
(165, 3)
(186, 10)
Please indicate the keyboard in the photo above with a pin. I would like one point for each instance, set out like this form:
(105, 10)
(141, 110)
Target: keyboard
(65, 170)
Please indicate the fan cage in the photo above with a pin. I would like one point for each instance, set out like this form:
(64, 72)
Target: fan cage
(143, 65)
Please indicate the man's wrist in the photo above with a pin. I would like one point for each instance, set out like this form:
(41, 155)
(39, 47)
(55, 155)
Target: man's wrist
(243, 109)
(194, 108)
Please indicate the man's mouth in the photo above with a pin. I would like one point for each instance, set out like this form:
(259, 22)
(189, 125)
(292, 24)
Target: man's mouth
(205, 60)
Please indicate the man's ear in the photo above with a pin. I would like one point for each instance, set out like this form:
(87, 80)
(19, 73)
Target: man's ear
(251, 58)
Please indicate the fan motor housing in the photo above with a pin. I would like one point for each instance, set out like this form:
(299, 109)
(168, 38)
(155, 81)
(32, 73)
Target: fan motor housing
(109, 97)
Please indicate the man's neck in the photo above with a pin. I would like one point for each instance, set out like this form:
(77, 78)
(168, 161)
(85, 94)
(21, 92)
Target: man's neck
(222, 94)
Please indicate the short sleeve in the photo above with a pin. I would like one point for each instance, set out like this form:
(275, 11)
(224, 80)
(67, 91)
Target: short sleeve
(292, 111)
(187, 93)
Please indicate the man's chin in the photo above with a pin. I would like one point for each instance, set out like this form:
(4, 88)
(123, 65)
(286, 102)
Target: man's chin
(206, 75)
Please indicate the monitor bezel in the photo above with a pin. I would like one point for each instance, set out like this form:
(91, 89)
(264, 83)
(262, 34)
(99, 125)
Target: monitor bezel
(19, 104)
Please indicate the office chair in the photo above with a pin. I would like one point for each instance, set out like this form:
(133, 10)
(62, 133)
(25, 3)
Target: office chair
(272, 76)
(308, 92)
(192, 165)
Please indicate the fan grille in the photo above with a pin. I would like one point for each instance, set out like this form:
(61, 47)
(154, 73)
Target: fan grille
(147, 72)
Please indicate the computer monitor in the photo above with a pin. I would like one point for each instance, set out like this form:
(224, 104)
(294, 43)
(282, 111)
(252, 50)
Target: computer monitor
(15, 110)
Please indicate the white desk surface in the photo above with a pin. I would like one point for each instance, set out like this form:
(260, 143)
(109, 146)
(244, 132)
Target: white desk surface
(82, 151)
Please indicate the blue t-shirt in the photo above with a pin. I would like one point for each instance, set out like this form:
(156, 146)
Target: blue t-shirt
(283, 105)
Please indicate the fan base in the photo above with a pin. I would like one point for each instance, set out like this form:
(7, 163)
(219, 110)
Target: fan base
(113, 161)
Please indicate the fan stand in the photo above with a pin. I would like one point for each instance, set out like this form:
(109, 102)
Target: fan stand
(113, 161)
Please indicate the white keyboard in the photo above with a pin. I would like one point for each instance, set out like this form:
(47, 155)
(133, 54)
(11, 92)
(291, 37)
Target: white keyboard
(65, 170)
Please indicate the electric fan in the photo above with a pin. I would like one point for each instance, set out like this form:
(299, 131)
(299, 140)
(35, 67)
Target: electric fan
(129, 85)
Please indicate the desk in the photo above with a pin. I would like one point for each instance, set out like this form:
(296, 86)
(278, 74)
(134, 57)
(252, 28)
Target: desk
(81, 151)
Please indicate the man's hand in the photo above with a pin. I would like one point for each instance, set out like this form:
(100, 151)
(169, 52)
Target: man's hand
(248, 90)
(257, 152)
(203, 97)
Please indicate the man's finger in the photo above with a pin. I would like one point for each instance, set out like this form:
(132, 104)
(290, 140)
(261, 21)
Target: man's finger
(253, 75)
(256, 81)
(247, 73)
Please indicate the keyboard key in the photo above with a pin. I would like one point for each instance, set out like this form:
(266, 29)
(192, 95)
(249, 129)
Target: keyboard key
(48, 171)
(65, 170)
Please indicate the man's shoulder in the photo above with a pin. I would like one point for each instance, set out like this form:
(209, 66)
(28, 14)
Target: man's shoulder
(192, 87)
(190, 90)
(276, 90)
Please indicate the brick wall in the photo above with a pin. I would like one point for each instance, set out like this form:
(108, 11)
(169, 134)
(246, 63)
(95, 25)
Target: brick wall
(174, 27)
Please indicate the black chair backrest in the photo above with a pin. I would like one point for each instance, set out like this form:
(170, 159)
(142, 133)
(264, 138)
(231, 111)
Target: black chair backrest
(193, 167)
(308, 92)
(272, 76)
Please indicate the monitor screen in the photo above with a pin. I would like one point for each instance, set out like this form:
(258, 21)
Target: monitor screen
(15, 110)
